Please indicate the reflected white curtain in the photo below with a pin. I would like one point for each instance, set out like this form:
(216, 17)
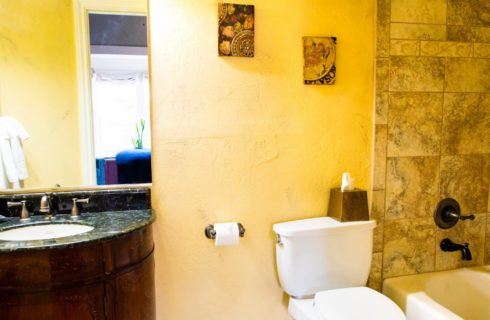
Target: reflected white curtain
(119, 102)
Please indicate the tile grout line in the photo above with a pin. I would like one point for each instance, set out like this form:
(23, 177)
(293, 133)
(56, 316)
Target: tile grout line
(441, 155)
(441, 24)
(435, 56)
(439, 184)
(382, 273)
(441, 143)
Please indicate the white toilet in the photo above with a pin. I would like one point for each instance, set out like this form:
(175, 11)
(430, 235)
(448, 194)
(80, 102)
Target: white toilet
(323, 265)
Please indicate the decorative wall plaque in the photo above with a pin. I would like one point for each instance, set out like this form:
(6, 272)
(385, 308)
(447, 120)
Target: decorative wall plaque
(319, 60)
(236, 30)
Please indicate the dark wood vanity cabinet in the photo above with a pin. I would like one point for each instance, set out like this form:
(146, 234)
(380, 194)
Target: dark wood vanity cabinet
(84, 302)
(112, 279)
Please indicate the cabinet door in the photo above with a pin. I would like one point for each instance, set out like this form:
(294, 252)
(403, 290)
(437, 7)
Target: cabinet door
(81, 303)
(134, 293)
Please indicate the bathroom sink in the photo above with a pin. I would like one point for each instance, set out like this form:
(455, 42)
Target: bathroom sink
(44, 231)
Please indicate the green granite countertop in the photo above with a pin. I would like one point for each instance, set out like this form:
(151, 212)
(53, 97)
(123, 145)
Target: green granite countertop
(107, 225)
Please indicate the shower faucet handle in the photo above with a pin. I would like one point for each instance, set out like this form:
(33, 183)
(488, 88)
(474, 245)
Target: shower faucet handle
(456, 215)
(448, 213)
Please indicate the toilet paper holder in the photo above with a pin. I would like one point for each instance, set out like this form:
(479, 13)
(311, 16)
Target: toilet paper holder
(210, 233)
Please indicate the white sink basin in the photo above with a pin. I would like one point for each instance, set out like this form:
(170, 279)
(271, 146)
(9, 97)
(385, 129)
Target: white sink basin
(43, 232)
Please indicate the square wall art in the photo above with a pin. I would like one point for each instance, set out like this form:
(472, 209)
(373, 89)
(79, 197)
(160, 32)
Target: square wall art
(236, 30)
(319, 60)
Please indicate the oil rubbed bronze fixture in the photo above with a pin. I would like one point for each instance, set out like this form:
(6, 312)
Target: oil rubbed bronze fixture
(210, 233)
(448, 213)
(449, 246)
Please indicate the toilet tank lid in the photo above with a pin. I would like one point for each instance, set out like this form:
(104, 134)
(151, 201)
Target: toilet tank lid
(323, 225)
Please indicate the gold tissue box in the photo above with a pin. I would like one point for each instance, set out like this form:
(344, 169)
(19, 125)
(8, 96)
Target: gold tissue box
(349, 205)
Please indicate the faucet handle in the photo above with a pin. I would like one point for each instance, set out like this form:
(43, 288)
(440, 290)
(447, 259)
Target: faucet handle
(24, 213)
(458, 216)
(448, 213)
(468, 217)
(75, 212)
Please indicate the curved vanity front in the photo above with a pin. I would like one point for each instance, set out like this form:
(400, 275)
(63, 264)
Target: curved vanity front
(106, 273)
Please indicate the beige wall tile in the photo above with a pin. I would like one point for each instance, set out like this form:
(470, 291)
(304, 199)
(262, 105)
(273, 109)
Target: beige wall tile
(377, 213)
(487, 241)
(382, 74)
(417, 31)
(404, 47)
(411, 122)
(468, 12)
(466, 128)
(460, 12)
(467, 75)
(419, 11)
(472, 232)
(446, 49)
(460, 33)
(382, 108)
(482, 34)
(414, 124)
(379, 172)
(378, 237)
(468, 33)
(416, 74)
(383, 28)
(412, 187)
(378, 205)
(408, 247)
(482, 50)
(466, 179)
(375, 278)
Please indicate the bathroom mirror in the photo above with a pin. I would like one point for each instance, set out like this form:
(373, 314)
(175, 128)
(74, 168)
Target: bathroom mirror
(74, 93)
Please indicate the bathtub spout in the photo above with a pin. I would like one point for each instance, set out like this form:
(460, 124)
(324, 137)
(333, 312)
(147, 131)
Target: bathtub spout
(448, 245)
(466, 253)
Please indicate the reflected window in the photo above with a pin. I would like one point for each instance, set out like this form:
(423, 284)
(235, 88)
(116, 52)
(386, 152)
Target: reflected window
(120, 98)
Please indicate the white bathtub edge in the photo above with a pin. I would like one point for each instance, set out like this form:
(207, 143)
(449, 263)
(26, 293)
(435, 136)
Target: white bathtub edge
(420, 306)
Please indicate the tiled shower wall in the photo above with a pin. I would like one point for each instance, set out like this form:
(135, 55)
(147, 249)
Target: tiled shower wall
(432, 137)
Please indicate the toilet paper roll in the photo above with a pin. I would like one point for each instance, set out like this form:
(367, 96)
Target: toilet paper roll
(227, 234)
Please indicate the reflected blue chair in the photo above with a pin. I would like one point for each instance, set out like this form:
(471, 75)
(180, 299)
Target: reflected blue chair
(134, 166)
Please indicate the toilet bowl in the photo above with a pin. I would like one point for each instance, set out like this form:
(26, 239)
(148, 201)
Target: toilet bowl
(323, 265)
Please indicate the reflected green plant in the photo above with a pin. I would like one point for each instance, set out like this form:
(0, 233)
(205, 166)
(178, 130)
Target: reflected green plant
(138, 141)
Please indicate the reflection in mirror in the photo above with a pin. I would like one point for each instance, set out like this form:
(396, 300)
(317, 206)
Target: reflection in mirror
(120, 98)
(73, 93)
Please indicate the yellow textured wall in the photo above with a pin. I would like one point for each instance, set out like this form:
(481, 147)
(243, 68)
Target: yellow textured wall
(243, 139)
(38, 86)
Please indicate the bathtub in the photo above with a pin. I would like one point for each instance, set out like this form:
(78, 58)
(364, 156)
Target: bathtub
(446, 295)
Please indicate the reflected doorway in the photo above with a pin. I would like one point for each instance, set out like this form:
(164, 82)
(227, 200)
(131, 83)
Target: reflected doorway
(120, 98)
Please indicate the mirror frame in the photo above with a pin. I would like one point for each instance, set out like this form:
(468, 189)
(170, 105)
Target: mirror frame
(74, 189)
(81, 10)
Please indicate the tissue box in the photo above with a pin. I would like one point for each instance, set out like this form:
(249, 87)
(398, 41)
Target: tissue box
(349, 205)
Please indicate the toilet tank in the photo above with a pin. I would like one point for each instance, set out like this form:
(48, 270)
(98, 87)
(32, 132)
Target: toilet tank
(319, 254)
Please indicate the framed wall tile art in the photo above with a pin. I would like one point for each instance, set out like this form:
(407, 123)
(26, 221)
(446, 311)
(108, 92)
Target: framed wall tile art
(319, 60)
(236, 25)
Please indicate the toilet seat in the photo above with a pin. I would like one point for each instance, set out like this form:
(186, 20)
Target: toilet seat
(356, 303)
